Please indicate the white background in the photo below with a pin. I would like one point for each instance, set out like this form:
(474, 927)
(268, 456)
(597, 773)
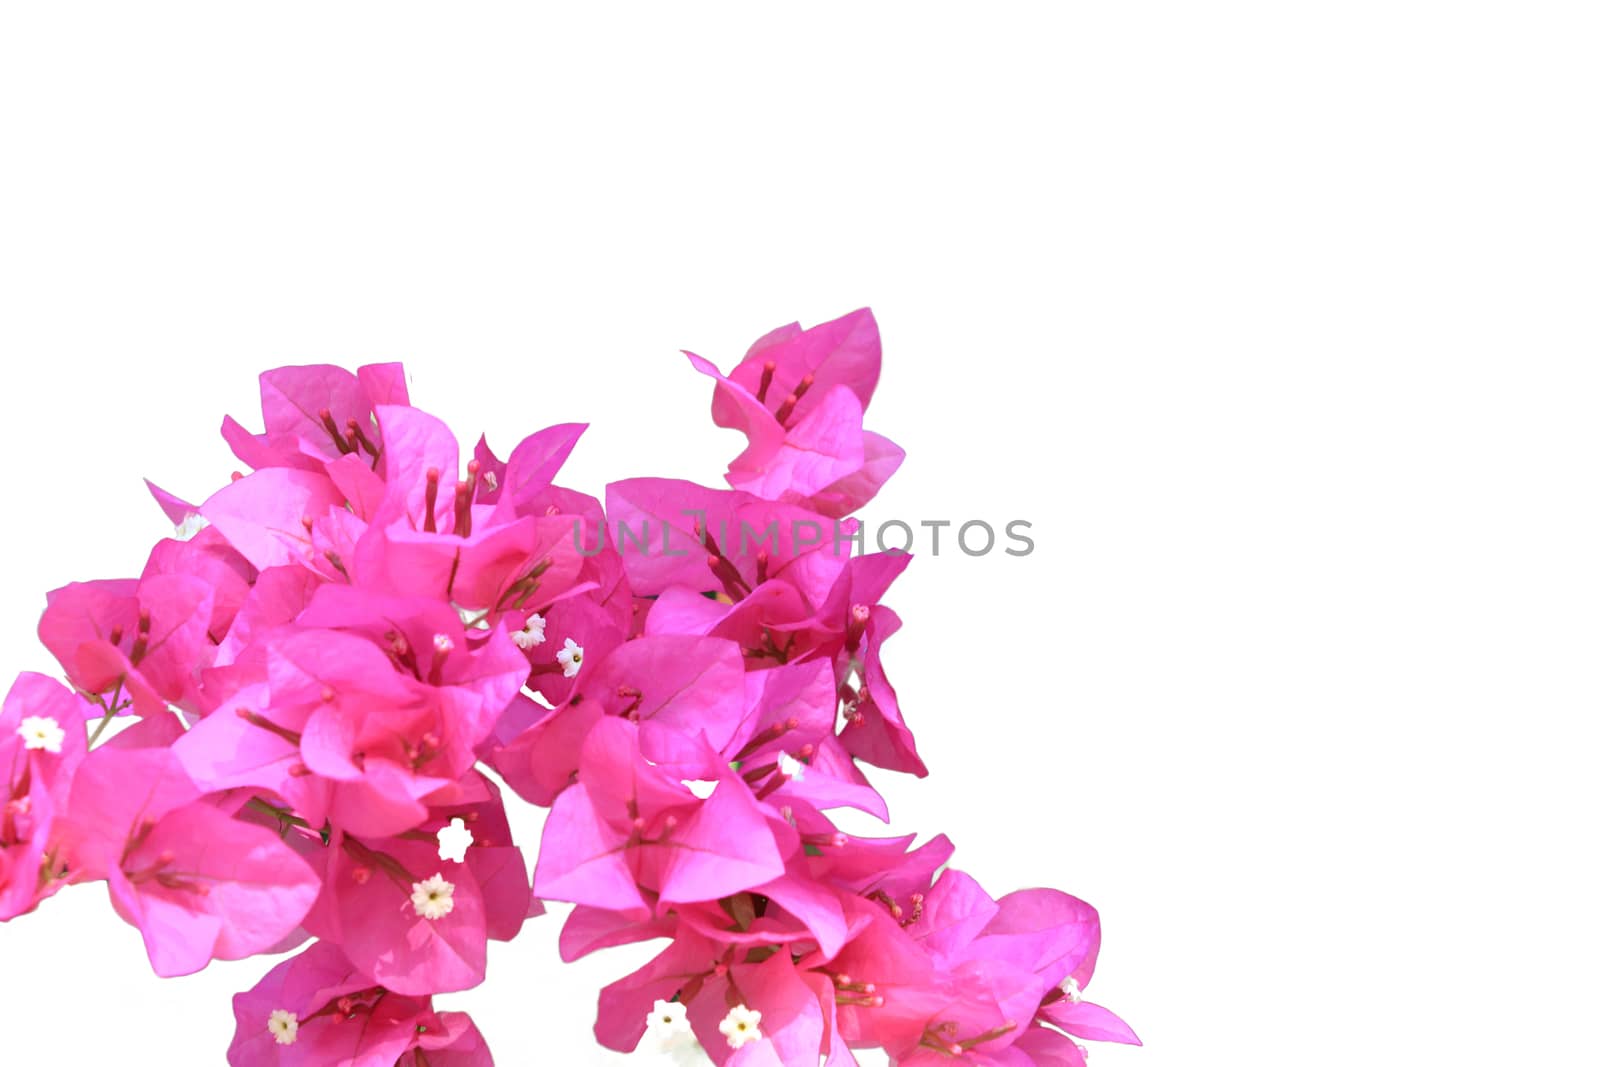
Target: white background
(1278, 321)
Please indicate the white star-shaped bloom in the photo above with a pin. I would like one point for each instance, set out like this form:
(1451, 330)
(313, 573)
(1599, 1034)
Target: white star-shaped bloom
(433, 898)
(570, 657)
(41, 732)
(284, 1026)
(741, 1026)
(532, 633)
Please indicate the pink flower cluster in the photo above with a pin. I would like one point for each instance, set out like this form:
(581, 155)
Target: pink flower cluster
(277, 735)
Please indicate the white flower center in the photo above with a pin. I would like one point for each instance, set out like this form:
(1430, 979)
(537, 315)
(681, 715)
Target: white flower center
(741, 1026)
(454, 840)
(433, 898)
(532, 633)
(284, 1026)
(667, 1025)
(41, 732)
(570, 657)
(442, 644)
(790, 767)
(1070, 988)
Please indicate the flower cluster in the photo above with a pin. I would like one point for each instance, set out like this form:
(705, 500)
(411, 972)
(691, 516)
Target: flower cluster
(279, 733)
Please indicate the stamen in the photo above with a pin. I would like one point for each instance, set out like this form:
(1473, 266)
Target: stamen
(141, 642)
(268, 725)
(431, 500)
(767, 370)
(361, 438)
(856, 626)
(764, 737)
(332, 427)
(787, 407)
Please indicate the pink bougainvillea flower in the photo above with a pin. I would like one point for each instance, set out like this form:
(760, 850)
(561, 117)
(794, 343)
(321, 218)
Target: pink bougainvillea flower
(318, 1009)
(41, 746)
(671, 532)
(412, 921)
(628, 826)
(208, 556)
(382, 737)
(692, 679)
(198, 883)
(416, 916)
(844, 351)
(798, 396)
(316, 413)
(145, 639)
(268, 516)
(796, 1009)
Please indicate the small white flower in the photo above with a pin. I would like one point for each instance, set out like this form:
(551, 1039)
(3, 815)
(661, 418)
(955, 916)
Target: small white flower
(570, 657)
(790, 767)
(532, 633)
(41, 732)
(741, 1026)
(192, 524)
(454, 840)
(284, 1026)
(442, 644)
(433, 898)
(666, 1021)
(490, 482)
(669, 1034)
(1070, 988)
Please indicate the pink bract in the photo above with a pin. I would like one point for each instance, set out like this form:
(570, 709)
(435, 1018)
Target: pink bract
(276, 738)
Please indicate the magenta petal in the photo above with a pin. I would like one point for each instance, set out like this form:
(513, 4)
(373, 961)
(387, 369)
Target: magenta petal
(955, 912)
(820, 449)
(1046, 1048)
(292, 399)
(845, 351)
(383, 933)
(534, 463)
(625, 1003)
(236, 889)
(581, 859)
(792, 1020)
(178, 941)
(452, 1041)
(1045, 931)
(415, 443)
(881, 457)
(263, 514)
(725, 847)
(1090, 1021)
(176, 510)
(384, 383)
(590, 929)
(115, 791)
(687, 687)
(816, 905)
